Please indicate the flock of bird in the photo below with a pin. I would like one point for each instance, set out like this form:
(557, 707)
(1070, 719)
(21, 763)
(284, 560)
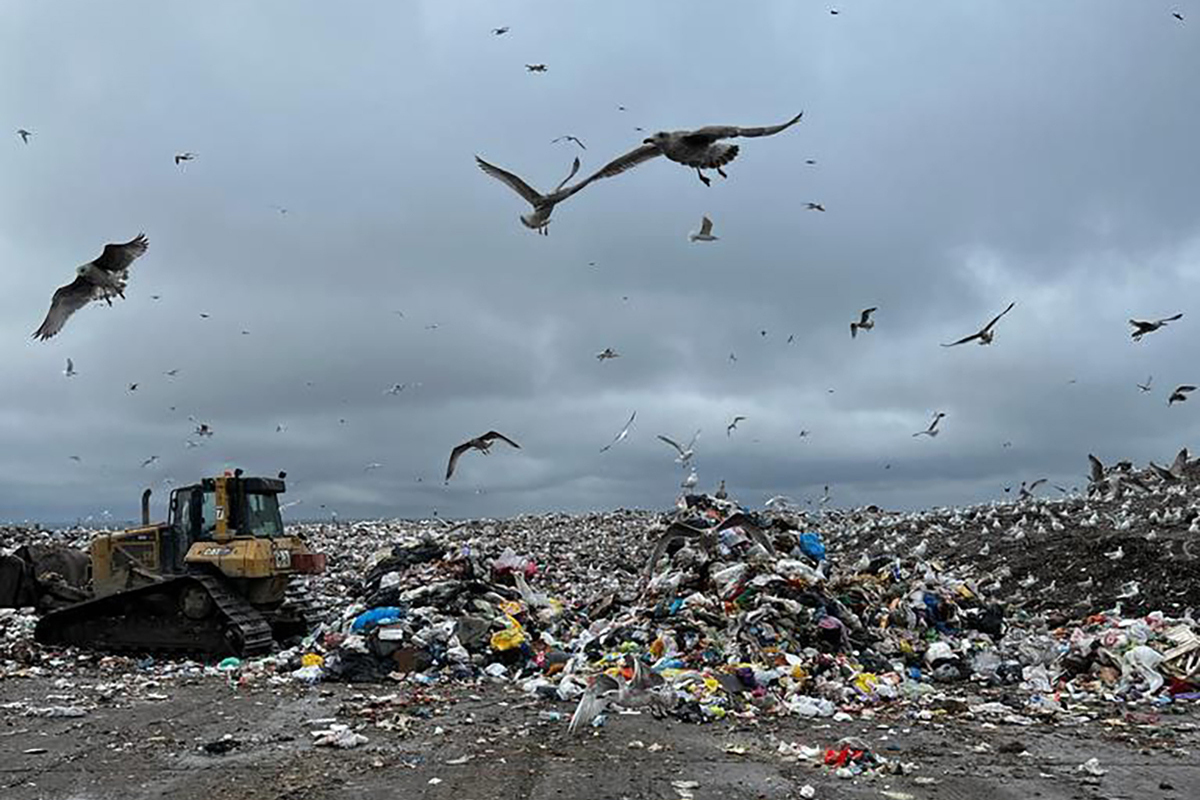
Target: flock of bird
(702, 149)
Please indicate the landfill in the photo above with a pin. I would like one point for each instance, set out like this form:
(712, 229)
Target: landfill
(1057, 611)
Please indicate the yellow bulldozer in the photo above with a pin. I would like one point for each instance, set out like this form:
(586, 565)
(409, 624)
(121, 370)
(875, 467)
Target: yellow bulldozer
(215, 579)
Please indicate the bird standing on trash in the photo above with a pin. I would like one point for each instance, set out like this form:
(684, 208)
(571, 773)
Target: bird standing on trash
(481, 443)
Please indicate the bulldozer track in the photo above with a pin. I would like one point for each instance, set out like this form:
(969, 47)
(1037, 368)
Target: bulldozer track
(127, 622)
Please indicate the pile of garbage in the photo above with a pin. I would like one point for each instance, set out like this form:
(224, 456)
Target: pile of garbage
(717, 610)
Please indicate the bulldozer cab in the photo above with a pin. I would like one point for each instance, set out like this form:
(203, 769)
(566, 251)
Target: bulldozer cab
(220, 509)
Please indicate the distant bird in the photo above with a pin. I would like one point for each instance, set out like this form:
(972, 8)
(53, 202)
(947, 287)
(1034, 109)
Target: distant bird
(133, 387)
(203, 429)
(1180, 394)
(280, 428)
(1142, 327)
(1027, 491)
(101, 279)
(149, 461)
(985, 334)
(76, 458)
(622, 435)
(1145, 387)
(932, 430)
(156, 297)
(204, 315)
(70, 370)
(699, 149)
(721, 494)
(171, 373)
(810, 162)
(481, 443)
(182, 157)
(1177, 15)
(500, 31)
(24, 134)
(685, 453)
(732, 426)
(833, 11)
(864, 322)
(606, 354)
(690, 481)
(733, 357)
(705, 232)
(803, 433)
(372, 465)
(814, 207)
(396, 388)
(574, 139)
(535, 67)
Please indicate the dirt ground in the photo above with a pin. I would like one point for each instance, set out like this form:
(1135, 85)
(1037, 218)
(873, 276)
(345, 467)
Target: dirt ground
(152, 746)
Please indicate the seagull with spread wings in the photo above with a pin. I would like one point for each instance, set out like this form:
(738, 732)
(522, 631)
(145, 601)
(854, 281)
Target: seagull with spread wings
(182, 157)
(705, 233)
(685, 453)
(1142, 327)
(24, 134)
(543, 204)
(699, 149)
(864, 322)
(985, 334)
(1145, 387)
(622, 435)
(732, 426)
(569, 138)
(1180, 394)
(481, 443)
(932, 430)
(606, 354)
(101, 279)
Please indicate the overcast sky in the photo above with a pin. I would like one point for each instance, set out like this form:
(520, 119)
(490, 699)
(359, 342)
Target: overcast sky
(968, 155)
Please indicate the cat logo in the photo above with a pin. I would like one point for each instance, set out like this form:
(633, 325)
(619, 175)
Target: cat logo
(216, 551)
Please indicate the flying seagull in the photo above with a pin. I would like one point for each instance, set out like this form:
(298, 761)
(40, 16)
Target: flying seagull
(500, 31)
(932, 430)
(700, 149)
(864, 322)
(481, 443)
(574, 139)
(24, 134)
(543, 205)
(396, 388)
(984, 335)
(620, 436)
(101, 279)
(1142, 327)
(182, 157)
(535, 67)
(729, 429)
(685, 453)
(149, 461)
(372, 465)
(1145, 387)
(705, 232)
(70, 370)
(1180, 394)
(133, 387)
(606, 354)
(1177, 15)
(814, 207)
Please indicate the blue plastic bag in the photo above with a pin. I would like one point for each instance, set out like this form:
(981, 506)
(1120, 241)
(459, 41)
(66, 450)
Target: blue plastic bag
(812, 546)
(375, 617)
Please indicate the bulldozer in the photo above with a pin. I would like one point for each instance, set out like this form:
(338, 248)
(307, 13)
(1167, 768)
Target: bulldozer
(215, 579)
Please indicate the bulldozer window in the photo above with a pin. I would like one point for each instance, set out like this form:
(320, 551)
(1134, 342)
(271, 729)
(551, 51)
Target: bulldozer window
(262, 515)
